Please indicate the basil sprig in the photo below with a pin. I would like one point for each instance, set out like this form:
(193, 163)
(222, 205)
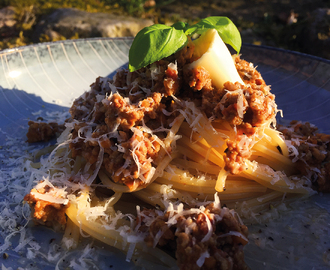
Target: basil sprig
(158, 41)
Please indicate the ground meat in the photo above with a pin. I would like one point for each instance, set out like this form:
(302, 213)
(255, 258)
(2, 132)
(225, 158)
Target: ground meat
(171, 81)
(129, 115)
(186, 238)
(137, 99)
(184, 56)
(141, 149)
(249, 74)
(128, 159)
(47, 213)
(89, 150)
(235, 156)
(247, 110)
(245, 107)
(227, 108)
(313, 158)
(85, 103)
(111, 122)
(43, 132)
(199, 78)
(121, 112)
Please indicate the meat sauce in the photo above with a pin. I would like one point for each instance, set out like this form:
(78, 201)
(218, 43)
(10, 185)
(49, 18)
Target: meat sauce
(142, 96)
(43, 132)
(313, 158)
(187, 238)
(48, 213)
(138, 105)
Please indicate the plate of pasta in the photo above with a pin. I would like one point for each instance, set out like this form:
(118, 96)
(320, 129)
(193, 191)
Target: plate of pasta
(200, 159)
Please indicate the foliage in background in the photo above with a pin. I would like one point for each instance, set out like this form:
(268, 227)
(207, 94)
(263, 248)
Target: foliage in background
(45, 6)
(260, 21)
(28, 12)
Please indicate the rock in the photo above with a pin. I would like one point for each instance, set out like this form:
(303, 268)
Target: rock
(69, 22)
(149, 3)
(7, 17)
(7, 22)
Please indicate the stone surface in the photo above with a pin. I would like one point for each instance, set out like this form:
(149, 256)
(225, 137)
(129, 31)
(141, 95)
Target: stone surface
(7, 22)
(7, 17)
(69, 22)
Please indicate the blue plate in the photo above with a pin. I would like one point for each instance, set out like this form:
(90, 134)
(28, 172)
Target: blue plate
(42, 81)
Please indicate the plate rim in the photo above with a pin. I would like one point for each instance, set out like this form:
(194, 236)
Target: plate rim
(250, 45)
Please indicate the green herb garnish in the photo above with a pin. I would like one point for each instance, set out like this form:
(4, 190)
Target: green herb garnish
(158, 41)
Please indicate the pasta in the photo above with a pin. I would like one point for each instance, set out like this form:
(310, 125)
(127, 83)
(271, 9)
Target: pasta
(166, 137)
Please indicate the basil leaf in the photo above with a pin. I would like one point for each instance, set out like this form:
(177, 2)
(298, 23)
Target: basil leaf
(225, 27)
(154, 43)
(180, 26)
(159, 41)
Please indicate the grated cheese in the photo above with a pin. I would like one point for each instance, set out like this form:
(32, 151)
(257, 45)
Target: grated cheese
(202, 258)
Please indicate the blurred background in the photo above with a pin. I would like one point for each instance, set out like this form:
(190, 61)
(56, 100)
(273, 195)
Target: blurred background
(299, 25)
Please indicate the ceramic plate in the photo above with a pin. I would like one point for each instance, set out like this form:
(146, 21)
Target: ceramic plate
(42, 81)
